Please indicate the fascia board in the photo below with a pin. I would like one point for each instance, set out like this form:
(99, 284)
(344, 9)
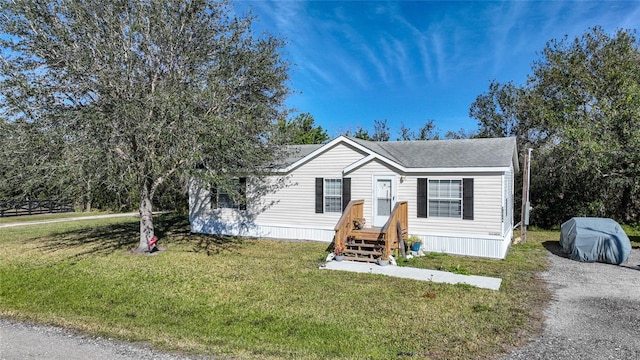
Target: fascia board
(358, 163)
(515, 160)
(408, 170)
(404, 169)
(366, 159)
(457, 170)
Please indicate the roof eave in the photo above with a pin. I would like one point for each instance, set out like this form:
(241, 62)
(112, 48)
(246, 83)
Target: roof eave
(404, 169)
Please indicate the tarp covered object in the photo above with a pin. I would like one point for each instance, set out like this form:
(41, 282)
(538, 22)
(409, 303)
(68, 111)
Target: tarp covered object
(595, 239)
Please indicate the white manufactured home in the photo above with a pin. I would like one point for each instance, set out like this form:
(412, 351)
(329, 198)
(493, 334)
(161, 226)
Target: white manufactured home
(458, 194)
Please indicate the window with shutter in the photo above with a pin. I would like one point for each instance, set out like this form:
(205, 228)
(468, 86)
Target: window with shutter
(346, 192)
(235, 198)
(319, 195)
(467, 199)
(331, 194)
(422, 198)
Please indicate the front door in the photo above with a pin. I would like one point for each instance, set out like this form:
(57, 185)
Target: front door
(383, 198)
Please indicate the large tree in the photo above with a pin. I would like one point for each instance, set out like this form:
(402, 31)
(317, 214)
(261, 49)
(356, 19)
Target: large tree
(497, 111)
(137, 92)
(580, 111)
(588, 93)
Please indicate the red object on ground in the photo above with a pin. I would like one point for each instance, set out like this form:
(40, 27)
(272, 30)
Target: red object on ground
(153, 242)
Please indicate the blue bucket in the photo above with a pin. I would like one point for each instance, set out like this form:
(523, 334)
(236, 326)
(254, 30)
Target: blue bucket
(416, 246)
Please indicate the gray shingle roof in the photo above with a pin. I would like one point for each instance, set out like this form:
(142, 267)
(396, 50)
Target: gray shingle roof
(297, 152)
(494, 152)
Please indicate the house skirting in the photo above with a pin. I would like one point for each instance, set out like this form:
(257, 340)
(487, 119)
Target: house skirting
(249, 229)
(489, 247)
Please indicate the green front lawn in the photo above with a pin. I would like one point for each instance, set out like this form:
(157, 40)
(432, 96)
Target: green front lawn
(259, 298)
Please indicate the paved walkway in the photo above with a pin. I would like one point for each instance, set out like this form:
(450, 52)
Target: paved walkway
(414, 273)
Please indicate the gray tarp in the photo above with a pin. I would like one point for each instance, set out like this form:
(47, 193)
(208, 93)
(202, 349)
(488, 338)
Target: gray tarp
(595, 239)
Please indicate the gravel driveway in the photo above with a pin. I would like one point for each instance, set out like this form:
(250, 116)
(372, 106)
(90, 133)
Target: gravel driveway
(595, 311)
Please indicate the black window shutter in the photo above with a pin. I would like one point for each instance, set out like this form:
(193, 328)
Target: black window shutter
(214, 197)
(346, 192)
(319, 195)
(243, 193)
(422, 198)
(467, 199)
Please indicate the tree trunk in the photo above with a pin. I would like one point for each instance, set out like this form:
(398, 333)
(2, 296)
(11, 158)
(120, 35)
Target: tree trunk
(626, 207)
(88, 197)
(146, 222)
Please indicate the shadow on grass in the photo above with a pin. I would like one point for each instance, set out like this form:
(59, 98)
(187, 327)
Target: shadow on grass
(106, 239)
(554, 247)
(214, 244)
(635, 242)
(176, 229)
(100, 240)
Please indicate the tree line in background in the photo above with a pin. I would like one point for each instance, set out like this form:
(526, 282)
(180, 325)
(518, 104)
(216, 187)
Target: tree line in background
(302, 129)
(580, 113)
(119, 110)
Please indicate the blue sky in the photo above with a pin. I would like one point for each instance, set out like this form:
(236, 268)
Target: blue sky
(411, 61)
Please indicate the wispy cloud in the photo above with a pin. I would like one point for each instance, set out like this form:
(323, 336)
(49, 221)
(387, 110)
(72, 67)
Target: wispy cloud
(414, 60)
(373, 58)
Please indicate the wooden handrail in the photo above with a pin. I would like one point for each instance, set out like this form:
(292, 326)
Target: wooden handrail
(395, 228)
(397, 225)
(345, 225)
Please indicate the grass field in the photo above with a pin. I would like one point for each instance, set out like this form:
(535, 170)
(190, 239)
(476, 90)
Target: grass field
(262, 299)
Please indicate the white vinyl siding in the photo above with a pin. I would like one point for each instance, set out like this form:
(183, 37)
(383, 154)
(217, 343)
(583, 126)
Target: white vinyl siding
(487, 200)
(294, 204)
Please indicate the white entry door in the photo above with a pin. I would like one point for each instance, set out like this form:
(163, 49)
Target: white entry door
(383, 198)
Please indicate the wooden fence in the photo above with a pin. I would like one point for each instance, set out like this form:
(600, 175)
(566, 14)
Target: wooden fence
(34, 207)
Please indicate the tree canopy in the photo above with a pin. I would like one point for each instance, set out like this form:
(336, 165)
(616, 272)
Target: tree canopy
(301, 130)
(429, 131)
(131, 94)
(380, 130)
(580, 112)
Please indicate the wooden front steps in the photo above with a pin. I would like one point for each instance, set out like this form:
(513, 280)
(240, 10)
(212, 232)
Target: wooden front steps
(372, 233)
(364, 245)
(369, 244)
